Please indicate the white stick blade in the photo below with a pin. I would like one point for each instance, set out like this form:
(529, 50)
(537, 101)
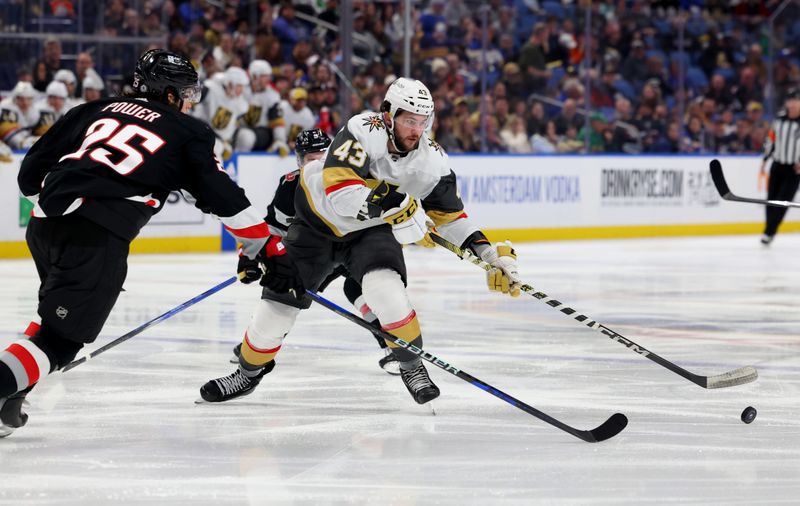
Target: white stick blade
(739, 376)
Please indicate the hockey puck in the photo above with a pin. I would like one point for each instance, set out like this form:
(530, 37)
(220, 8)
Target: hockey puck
(749, 414)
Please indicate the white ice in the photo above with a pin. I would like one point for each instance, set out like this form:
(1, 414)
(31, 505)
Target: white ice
(327, 426)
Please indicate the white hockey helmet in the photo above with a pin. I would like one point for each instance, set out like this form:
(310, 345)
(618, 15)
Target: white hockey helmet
(93, 83)
(409, 95)
(236, 75)
(259, 68)
(23, 89)
(56, 89)
(65, 76)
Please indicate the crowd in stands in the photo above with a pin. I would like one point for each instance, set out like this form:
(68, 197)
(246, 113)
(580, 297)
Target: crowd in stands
(643, 93)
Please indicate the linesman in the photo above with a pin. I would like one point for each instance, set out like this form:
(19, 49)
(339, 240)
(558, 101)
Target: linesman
(783, 146)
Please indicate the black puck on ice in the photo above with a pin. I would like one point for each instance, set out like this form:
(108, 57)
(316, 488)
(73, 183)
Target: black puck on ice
(749, 414)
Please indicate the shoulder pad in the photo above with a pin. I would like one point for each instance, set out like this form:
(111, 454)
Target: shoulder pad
(369, 130)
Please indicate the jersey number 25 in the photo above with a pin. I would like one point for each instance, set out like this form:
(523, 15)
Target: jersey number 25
(118, 136)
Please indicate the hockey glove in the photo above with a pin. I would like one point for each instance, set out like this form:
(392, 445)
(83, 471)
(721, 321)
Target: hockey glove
(249, 269)
(503, 276)
(408, 220)
(280, 274)
(279, 147)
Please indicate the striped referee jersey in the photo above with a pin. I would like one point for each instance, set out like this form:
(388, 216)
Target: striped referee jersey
(783, 140)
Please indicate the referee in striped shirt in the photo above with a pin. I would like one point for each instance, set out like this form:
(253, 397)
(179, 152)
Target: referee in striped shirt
(783, 146)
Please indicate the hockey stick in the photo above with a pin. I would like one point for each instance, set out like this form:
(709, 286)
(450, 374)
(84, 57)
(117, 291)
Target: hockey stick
(731, 378)
(606, 430)
(145, 326)
(725, 192)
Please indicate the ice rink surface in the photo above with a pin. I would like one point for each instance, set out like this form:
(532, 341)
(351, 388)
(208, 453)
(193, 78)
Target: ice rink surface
(328, 427)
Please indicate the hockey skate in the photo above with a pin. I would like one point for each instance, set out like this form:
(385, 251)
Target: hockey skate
(11, 415)
(233, 385)
(419, 384)
(389, 363)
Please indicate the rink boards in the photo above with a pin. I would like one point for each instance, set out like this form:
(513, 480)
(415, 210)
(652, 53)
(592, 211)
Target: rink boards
(522, 198)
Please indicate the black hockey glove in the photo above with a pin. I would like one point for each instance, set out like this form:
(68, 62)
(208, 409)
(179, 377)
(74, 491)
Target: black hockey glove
(249, 270)
(280, 273)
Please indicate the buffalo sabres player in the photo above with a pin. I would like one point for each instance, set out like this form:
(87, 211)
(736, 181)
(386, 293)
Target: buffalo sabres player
(96, 177)
(310, 145)
(356, 209)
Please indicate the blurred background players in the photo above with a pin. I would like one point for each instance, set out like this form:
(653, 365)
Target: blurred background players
(296, 114)
(18, 116)
(265, 116)
(223, 107)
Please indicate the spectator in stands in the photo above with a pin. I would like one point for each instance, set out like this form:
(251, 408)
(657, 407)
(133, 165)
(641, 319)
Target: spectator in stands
(223, 52)
(288, 29)
(597, 129)
(131, 24)
(51, 59)
(70, 81)
(695, 140)
(514, 136)
(444, 132)
(720, 91)
(755, 113)
(532, 60)
(566, 117)
(84, 67)
(536, 122)
(191, 11)
(748, 89)
(634, 68)
(741, 141)
(114, 17)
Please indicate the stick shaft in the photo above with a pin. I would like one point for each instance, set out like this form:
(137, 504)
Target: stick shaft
(145, 326)
(731, 378)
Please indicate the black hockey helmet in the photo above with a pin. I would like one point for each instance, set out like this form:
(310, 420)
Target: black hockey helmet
(310, 141)
(159, 71)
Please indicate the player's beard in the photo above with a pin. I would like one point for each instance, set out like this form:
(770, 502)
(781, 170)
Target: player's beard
(403, 145)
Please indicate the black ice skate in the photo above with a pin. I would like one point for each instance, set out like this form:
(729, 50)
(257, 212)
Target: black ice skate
(11, 415)
(233, 385)
(419, 384)
(389, 363)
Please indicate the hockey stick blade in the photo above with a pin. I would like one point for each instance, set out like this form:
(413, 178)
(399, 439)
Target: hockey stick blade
(158, 319)
(725, 192)
(728, 379)
(606, 430)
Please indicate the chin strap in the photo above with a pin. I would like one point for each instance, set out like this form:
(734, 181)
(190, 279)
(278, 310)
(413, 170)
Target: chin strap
(390, 134)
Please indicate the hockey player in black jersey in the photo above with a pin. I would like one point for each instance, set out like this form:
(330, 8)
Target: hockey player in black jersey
(310, 145)
(95, 178)
(380, 185)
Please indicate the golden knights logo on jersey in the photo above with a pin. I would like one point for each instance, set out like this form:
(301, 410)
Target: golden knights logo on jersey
(435, 145)
(221, 118)
(253, 115)
(374, 123)
(46, 120)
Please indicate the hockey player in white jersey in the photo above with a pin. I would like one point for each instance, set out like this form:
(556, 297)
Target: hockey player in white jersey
(52, 107)
(264, 115)
(223, 107)
(296, 114)
(19, 116)
(356, 209)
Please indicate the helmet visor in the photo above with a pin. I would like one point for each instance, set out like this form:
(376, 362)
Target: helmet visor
(191, 93)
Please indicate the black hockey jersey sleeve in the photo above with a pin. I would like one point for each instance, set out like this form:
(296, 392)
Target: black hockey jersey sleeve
(443, 205)
(281, 210)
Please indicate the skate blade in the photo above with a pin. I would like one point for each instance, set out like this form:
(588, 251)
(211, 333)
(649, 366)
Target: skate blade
(234, 360)
(6, 431)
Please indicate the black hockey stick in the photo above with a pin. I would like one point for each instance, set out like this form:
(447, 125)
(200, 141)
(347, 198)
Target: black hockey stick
(606, 430)
(158, 319)
(731, 378)
(726, 194)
